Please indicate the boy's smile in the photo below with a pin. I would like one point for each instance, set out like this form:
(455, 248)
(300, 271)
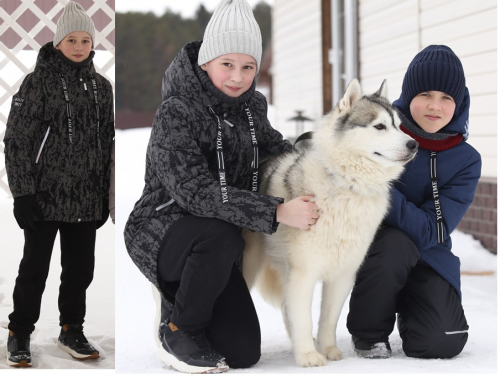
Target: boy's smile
(432, 110)
(232, 74)
(76, 46)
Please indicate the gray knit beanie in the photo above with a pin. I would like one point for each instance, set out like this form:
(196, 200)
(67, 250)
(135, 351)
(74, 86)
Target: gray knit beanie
(73, 19)
(232, 29)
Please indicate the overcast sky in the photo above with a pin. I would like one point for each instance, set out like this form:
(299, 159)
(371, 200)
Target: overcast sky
(185, 7)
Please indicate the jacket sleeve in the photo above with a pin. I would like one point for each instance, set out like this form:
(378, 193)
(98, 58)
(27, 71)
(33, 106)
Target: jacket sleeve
(25, 117)
(111, 202)
(183, 170)
(419, 223)
(107, 135)
(271, 142)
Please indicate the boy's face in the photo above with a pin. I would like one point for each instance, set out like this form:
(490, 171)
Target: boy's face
(232, 74)
(432, 110)
(76, 46)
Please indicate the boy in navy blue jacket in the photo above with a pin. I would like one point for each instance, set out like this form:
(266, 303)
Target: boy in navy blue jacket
(410, 269)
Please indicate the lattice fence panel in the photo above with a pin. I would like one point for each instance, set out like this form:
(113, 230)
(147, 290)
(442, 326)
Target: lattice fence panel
(25, 26)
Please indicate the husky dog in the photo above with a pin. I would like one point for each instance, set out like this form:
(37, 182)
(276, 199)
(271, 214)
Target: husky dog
(355, 153)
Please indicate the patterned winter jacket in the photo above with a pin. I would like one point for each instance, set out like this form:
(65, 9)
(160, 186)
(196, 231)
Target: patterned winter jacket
(182, 174)
(64, 163)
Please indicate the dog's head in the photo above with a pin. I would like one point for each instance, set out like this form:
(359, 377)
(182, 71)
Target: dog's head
(369, 126)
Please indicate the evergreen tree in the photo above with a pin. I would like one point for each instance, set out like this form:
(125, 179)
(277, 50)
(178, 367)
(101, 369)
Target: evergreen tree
(146, 45)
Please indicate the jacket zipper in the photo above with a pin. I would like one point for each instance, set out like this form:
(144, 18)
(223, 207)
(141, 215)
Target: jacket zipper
(41, 147)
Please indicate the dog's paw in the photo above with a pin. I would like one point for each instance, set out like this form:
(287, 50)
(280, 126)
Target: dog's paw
(310, 359)
(332, 353)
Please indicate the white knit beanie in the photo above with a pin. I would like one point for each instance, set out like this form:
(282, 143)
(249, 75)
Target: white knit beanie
(73, 19)
(232, 29)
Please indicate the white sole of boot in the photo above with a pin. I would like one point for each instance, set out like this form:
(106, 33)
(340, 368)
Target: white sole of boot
(77, 355)
(157, 297)
(22, 363)
(185, 368)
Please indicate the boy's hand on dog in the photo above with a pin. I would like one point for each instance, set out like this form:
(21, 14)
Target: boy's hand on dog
(301, 212)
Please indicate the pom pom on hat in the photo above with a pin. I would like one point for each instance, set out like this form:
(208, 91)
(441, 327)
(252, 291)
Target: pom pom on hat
(232, 29)
(73, 19)
(435, 68)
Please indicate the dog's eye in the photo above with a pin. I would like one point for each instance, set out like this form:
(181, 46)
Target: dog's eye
(380, 127)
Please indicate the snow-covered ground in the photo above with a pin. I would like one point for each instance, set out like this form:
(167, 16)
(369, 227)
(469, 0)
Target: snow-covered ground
(99, 325)
(136, 349)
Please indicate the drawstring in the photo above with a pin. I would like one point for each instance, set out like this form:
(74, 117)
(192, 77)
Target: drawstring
(96, 101)
(435, 195)
(220, 155)
(68, 109)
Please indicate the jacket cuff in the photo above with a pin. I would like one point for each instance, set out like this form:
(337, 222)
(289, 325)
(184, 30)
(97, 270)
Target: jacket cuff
(275, 224)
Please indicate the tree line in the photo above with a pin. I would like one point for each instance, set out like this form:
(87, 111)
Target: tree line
(146, 44)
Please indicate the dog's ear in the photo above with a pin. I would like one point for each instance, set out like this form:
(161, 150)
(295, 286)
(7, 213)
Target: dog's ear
(383, 91)
(351, 96)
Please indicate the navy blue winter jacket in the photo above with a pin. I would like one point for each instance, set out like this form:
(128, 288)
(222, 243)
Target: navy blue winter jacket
(412, 203)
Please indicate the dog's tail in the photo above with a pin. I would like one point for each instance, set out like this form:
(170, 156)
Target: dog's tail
(270, 285)
(253, 257)
(258, 271)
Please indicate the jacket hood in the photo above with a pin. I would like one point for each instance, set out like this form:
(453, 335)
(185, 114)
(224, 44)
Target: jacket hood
(185, 78)
(52, 59)
(459, 124)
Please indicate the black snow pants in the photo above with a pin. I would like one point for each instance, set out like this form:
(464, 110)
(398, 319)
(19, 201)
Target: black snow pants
(197, 273)
(77, 262)
(393, 280)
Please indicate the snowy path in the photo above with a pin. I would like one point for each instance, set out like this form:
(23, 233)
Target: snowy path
(99, 326)
(136, 350)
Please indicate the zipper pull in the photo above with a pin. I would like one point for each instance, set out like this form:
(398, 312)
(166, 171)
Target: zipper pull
(84, 85)
(225, 120)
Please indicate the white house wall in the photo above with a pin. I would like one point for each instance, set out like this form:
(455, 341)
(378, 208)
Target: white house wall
(297, 72)
(392, 32)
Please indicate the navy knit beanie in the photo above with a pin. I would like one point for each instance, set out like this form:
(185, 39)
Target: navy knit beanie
(435, 68)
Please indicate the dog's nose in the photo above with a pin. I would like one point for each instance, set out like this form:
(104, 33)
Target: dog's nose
(412, 145)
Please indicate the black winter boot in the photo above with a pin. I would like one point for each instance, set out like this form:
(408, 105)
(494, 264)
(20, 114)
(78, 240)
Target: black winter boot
(189, 351)
(367, 349)
(18, 350)
(72, 340)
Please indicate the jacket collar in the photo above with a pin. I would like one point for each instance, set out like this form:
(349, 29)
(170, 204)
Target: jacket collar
(53, 59)
(434, 144)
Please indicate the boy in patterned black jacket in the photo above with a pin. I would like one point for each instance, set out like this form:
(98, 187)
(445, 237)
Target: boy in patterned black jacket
(57, 153)
(184, 233)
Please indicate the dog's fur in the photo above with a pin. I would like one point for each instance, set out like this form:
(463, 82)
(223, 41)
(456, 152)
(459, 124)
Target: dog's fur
(357, 150)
